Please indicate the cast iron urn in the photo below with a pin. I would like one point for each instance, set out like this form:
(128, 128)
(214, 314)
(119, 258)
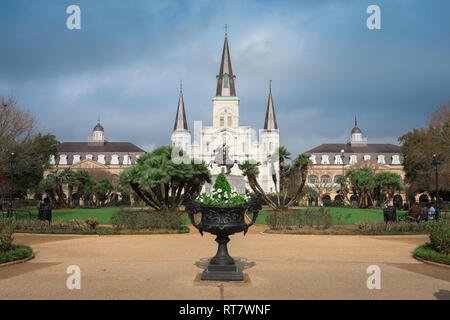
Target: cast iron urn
(223, 221)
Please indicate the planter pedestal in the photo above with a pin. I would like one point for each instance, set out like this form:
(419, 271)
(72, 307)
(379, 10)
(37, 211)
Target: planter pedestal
(223, 221)
(222, 267)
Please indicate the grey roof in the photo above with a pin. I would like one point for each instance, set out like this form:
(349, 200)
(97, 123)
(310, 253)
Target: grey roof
(369, 148)
(225, 69)
(106, 147)
(180, 119)
(98, 127)
(356, 129)
(271, 120)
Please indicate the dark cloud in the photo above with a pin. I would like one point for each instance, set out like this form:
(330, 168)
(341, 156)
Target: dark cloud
(125, 64)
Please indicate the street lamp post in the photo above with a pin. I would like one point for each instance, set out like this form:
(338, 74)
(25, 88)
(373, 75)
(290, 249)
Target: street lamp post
(12, 166)
(343, 161)
(435, 163)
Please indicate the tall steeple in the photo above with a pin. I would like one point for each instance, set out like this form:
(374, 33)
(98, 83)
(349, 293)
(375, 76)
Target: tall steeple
(180, 119)
(225, 78)
(271, 119)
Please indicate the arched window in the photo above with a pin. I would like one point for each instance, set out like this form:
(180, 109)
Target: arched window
(222, 121)
(366, 157)
(338, 159)
(89, 157)
(313, 181)
(353, 159)
(230, 120)
(313, 159)
(381, 159)
(325, 182)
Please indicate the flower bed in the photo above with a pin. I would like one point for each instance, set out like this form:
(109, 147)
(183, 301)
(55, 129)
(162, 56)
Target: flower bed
(16, 253)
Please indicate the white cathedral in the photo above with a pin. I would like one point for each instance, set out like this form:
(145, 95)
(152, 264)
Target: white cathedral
(226, 144)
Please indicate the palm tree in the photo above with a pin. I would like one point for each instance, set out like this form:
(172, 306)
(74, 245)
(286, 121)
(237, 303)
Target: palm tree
(163, 183)
(281, 155)
(251, 170)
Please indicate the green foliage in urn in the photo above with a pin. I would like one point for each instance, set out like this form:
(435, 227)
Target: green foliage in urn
(222, 195)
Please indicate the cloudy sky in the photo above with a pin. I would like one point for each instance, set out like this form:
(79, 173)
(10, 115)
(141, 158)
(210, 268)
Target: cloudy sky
(126, 62)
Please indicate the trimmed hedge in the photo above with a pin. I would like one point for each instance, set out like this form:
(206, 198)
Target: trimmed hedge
(146, 219)
(426, 252)
(16, 253)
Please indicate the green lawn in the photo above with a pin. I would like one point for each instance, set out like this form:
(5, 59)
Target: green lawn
(354, 215)
(104, 214)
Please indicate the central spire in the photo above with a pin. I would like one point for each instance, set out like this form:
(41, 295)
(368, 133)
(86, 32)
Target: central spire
(180, 119)
(271, 120)
(225, 78)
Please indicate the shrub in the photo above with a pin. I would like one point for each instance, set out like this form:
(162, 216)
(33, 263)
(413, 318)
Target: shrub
(427, 252)
(7, 227)
(333, 203)
(56, 226)
(92, 223)
(391, 227)
(145, 219)
(120, 203)
(26, 203)
(322, 218)
(439, 232)
(16, 253)
(222, 183)
(222, 195)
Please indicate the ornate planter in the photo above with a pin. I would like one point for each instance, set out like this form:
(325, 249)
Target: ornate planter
(223, 221)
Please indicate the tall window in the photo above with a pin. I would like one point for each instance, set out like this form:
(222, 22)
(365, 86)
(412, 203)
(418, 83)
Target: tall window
(229, 120)
(381, 159)
(353, 159)
(222, 121)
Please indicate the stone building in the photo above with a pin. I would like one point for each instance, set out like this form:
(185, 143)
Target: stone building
(226, 143)
(330, 161)
(96, 153)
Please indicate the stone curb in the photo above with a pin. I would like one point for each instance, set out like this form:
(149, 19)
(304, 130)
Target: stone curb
(431, 262)
(17, 261)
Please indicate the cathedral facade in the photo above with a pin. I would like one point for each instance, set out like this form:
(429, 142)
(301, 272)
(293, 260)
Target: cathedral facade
(225, 144)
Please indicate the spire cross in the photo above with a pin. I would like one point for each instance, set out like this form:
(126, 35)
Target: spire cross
(226, 30)
(98, 120)
(270, 85)
(181, 85)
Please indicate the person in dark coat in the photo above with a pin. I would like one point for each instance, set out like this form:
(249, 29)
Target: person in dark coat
(41, 210)
(414, 213)
(47, 210)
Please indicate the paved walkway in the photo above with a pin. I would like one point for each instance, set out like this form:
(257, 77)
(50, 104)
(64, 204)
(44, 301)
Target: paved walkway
(279, 267)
